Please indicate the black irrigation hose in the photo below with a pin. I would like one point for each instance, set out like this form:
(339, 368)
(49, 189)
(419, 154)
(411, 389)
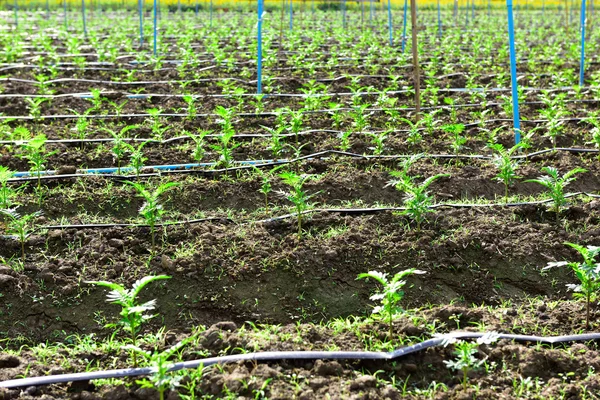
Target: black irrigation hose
(342, 211)
(247, 165)
(439, 340)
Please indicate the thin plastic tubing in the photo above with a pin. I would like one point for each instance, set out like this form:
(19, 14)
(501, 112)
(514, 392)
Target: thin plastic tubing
(180, 168)
(293, 355)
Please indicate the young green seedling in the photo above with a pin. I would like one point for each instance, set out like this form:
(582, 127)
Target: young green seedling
(297, 195)
(7, 193)
(465, 352)
(137, 157)
(36, 155)
(199, 144)
(152, 210)
(161, 379)
(21, 226)
(417, 199)
(133, 314)
(119, 145)
(505, 163)
(556, 185)
(587, 272)
(392, 293)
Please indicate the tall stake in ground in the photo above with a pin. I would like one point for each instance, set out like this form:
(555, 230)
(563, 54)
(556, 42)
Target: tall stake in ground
(415, 52)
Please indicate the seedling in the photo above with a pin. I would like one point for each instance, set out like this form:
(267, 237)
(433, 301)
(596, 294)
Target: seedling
(392, 293)
(133, 314)
(588, 274)
(465, 352)
(276, 146)
(191, 106)
(378, 140)
(36, 155)
(297, 195)
(199, 144)
(417, 199)
(152, 210)
(506, 165)
(458, 140)
(158, 130)
(21, 226)
(556, 185)
(34, 104)
(119, 146)
(7, 193)
(137, 157)
(161, 379)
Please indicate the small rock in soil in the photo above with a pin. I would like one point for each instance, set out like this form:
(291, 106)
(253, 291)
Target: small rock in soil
(307, 395)
(31, 390)
(116, 243)
(118, 393)
(89, 396)
(146, 394)
(166, 262)
(225, 326)
(317, 383)
(6, 270)
(363, 382)
(6, 280)
(66, 170)
(328, 368)
(263, 370)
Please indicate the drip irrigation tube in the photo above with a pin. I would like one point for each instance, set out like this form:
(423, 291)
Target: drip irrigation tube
(110, 172)
(438, 340)
(341, 211)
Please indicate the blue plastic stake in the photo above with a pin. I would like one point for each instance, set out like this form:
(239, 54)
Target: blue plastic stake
(211, 13)
(390, 23)
(196, 8)
(370, 11)
(16, 15)
(291, 16)
(404, 26)
(155, 27)
(83, 17)
(467, 14)
(439, 19)
(513, 71)
(259, 52)
(582, 61)
(343, 13)
(543, 7)
(65, 10)
(141, 22)
(489, 8)
(472, 10)
(47, 9)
